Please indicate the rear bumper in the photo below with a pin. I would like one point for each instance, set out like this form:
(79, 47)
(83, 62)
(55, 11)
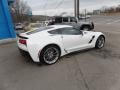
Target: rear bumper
(22, 47)
(28, 48)
(24, 50)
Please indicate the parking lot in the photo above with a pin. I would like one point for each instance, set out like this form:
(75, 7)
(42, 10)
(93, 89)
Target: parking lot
(85, 70)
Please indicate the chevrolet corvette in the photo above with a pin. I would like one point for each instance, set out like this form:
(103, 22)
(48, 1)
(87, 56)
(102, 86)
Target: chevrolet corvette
(47, 44)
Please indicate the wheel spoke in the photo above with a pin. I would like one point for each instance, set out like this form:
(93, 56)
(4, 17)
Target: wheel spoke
(101, 42)
(51, 55)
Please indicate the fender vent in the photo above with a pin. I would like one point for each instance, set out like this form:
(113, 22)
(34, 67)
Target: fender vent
(92, 39)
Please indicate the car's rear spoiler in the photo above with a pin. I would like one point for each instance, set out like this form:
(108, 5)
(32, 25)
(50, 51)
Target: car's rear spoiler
(23, 37)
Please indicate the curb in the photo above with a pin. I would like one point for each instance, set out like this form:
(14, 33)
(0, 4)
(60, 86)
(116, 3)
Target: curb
(6, 41)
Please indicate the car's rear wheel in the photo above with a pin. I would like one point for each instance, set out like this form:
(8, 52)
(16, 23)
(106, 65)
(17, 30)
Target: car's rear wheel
(100, 42)
(50, 55)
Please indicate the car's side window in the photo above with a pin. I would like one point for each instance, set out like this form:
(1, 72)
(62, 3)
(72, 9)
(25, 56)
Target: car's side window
(54, 31)
(70, 31)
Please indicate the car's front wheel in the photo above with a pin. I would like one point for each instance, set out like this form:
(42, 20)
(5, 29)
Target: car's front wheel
(100, 42)
(50, 55)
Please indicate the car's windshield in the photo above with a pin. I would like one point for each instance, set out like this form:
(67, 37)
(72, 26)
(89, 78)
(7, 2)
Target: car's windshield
(38, 30)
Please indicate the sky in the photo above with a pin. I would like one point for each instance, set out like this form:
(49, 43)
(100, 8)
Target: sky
(57, 7)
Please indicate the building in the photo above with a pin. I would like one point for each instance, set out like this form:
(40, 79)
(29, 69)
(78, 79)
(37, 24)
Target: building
(6, 25)
(97, 12)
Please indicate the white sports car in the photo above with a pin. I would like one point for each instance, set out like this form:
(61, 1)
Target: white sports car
(47, 44)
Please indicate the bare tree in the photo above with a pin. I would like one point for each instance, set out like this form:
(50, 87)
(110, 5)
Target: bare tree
(20, 10)
(108, 10)
(118, 8)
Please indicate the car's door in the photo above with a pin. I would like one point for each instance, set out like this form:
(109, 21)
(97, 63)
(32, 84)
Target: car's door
(73, 39)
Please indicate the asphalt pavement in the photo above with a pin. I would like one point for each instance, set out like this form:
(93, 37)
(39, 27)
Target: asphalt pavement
(84, 70)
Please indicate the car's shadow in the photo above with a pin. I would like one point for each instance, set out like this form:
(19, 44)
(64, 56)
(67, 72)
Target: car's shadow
(93, 51)
(28, 59)
(78, 53)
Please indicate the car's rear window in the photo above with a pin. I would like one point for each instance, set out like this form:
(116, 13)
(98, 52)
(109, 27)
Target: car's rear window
(35, 25)
(38, 30)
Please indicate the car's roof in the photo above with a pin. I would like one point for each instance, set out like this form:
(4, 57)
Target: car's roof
(48, 28)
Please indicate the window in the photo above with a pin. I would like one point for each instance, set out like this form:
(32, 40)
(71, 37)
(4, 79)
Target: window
(54, 31)
(70, 31)
(58, 19)
(66, 31)
(38, 30)
(65, 19)
(72, 19)
(36, 25)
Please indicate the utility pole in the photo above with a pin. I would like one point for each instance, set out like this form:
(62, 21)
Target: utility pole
(85, 15)
(76, 8)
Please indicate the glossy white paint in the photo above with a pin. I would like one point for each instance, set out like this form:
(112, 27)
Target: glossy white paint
(67, 43)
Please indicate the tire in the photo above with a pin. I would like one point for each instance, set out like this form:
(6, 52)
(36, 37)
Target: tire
(93, 26)
(100, 42)
(50, 55)
(86, 28)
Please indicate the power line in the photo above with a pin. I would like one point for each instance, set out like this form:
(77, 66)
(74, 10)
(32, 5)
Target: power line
(44, 6)
(59, 4)
(56, 7)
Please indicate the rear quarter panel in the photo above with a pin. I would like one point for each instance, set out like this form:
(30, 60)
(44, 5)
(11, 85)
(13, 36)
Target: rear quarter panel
(36, 43)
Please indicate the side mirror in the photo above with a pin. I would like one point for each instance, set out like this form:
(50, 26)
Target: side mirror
(82, 33)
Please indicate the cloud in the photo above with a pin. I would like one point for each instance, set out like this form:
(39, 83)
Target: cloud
(53, 12)
(51, 7)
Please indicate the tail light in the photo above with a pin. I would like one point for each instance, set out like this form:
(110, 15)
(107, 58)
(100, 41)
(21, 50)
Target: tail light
(22, 41)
